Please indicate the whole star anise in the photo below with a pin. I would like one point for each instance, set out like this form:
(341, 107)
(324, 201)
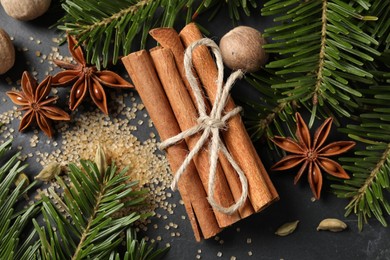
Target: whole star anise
(85, 78)
(38, 105)
(313, 155)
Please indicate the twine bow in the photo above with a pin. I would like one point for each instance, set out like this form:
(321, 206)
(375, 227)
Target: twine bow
(210, 125)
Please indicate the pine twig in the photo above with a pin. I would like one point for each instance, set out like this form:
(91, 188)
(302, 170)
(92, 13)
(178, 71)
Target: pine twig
(89, 228)
(108, 28)
(317, 51)
(138, 250)
(14, 222)
(267, 116)
(370, 167)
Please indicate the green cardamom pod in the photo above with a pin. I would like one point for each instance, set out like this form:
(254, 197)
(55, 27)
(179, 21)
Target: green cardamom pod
(332, 224)
(287, 228)
(49, 172)
(101, 159)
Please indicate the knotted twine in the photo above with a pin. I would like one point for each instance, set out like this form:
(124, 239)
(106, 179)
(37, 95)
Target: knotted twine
(210, 125)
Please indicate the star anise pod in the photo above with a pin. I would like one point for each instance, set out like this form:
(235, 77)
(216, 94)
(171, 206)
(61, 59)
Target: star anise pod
(312, 154)
(38, 105)
(85, 78)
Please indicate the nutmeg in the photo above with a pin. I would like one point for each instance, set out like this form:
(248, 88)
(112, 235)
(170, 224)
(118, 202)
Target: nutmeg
(241, 48)
(7, 52)
(25, 10)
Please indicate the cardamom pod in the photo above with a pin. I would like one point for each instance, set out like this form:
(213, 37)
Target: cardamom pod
(101, 159)
(49, 172)
(332, 224)
(287, 228)
(22, 177)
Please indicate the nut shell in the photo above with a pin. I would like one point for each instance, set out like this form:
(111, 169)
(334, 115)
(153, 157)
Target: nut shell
(25, 10)
(241, 48)
(7, 52)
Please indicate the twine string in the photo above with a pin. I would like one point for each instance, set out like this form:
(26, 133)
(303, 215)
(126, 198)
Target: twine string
(210, 126)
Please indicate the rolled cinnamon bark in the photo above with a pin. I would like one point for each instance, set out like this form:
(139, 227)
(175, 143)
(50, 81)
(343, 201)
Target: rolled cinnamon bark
(261, 190)
(140, 67)
(169, 39)
(186, 115)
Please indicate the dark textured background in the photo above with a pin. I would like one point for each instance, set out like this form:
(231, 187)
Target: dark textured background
(295, 201)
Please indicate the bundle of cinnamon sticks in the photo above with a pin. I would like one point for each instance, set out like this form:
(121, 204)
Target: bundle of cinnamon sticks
(160, 79)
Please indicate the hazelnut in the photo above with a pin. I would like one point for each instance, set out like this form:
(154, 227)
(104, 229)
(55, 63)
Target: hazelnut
(25, 10)
(241, 48)
(7, 52)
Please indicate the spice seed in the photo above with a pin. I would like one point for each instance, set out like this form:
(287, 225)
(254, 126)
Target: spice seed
(332, 224)
(287, 228)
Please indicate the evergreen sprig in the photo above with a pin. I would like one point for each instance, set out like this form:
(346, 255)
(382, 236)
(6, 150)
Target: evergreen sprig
(234, 7)
(317, 49)
(108, 28)
(331, 59)
(267, 115)
(13, 222)
(370, 167)
(380, 30)
(82, 224)
(137, 250)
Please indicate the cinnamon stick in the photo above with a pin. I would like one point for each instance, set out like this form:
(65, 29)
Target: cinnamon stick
(141, 70)
(261, 190)
(169, 39)
(186, 115)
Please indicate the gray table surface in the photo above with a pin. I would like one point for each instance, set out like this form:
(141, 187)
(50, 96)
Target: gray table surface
(251, 238)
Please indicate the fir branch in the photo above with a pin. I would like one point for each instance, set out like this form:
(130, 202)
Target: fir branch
(97, 23)
(138, 250)
(110, 19)
(89, 229)
(317, 51)
(272, 113)
(267, 115)
(381, 29)
(320, 50)
(321, 63)
(366, 189)
(234, 8)
(109, 27)
(370, 167)
(13, 222)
